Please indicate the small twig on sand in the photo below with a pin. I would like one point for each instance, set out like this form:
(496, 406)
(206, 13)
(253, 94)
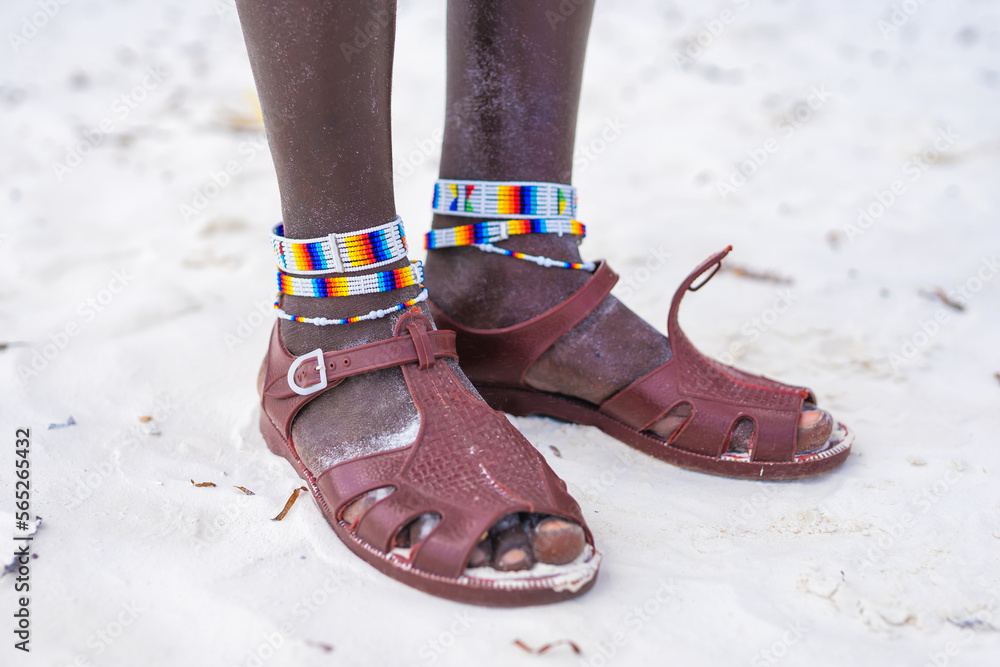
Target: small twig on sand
(942, 296)
(764, 276)
(291, 501)
(548, 647)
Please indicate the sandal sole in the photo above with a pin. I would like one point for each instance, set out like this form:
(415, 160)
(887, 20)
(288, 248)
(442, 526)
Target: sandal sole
(524, 403)
(501, 592)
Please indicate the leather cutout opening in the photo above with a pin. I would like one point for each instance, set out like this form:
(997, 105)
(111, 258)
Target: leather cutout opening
(413, 533)
(670, 424)
(357, 508)
(741, 436)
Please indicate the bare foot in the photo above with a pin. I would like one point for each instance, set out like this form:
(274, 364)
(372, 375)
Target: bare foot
(374, 412)
(611, 348)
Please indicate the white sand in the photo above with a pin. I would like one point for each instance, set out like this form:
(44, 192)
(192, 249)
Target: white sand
(890, 560)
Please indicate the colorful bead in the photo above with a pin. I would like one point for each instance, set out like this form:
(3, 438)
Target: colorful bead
(498, 230)
(337, 253)
(537, 259)
(384, 281)
(372, 315)
(484, 199)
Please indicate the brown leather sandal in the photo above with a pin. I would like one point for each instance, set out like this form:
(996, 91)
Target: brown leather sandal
(468, 465)
(497, 361)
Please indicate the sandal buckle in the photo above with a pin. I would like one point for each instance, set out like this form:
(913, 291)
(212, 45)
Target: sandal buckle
(316, 354)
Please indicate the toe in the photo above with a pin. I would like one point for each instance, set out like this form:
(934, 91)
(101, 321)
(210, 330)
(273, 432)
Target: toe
(482, 553)
(557, 541)
(815, 428)
(512, 545)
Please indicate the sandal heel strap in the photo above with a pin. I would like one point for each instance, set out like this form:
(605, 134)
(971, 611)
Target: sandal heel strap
(522, 344)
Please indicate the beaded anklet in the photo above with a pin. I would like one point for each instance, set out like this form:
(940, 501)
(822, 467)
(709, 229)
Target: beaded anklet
(339, 253)
(498, 230)
(488, 198)
(372, 315)
(372, 283)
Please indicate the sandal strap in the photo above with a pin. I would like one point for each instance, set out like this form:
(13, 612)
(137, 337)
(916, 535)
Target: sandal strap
(524, 343)
(291, 382)
(718, 395)
(469, 465)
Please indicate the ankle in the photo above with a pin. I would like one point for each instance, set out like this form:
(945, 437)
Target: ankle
(488, 290)
(302, 337)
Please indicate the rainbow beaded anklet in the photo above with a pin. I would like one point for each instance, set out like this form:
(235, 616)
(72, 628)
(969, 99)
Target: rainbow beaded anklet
(338, 253)
(488, 198)
(372, 315)
(384, 281)
(482, 235)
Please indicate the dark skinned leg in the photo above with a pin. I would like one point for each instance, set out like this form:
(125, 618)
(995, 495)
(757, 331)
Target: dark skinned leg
(326, 110)
(514, 77)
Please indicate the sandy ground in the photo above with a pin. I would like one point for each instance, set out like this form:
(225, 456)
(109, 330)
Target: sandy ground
(135, 281)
